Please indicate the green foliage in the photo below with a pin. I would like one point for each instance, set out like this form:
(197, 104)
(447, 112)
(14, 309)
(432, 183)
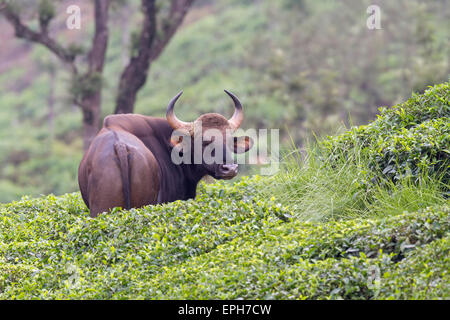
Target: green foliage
(394, 198)
(228, 243)
(319, 229)
(400, 162)
(313, 231)
(312, 261)
(76, 49)
(434, 103)
(85, 85)
(46, 12)
(134, 43)
(13, 6)
(407, 140)
(322, 187)
(317, 189)
(49, 233)
(430, 268)
(303, 66)
(424, 148)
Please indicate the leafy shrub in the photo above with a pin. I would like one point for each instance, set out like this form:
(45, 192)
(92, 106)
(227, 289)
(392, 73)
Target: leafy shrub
(409, 139)
(312, 260)
(423, 149)
(228, 243)
(432, 104)
(430, 269)
(53, 234)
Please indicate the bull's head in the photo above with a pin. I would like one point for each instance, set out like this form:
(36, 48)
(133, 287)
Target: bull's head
(211, 135)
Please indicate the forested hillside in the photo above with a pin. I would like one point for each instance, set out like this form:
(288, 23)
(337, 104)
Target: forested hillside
(302, 66)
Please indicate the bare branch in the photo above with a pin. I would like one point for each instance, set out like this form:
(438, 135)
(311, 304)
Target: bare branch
(24, 32)
(178, 10)
(86, 87)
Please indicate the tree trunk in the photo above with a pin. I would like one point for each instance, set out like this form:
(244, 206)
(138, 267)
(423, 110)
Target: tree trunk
(91, 104)
(91, 119)
(135, 74)
(150, 47)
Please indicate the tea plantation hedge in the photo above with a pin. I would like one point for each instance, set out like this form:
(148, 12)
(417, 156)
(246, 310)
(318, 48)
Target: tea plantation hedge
(316, 261)
(408, 140)
(228, 243)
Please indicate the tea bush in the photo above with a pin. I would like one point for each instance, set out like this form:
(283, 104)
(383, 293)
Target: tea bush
(423, 149)
(317, 261)
(430, 269)
(227, 243)
(407, 140)
(51, 233)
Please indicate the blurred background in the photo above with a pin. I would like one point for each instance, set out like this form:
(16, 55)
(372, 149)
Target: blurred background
(306, 67)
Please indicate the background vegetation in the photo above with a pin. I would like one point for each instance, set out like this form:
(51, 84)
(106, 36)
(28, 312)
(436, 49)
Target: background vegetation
(358, 213)
(316, 230)
(302, 66)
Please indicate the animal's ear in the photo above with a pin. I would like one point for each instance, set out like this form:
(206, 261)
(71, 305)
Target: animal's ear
(242, 144)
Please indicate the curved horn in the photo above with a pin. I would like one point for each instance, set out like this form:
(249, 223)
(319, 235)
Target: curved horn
(174, 122)
(238, 116)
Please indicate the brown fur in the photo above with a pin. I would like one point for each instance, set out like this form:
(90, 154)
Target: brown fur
(128, 164)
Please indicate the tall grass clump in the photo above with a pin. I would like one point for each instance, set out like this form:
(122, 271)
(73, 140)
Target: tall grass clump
(399, 162)
(317, 189)
(406, 196)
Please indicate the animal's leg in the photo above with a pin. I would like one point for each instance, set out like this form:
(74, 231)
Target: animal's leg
(144, 177)
(105, 187)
